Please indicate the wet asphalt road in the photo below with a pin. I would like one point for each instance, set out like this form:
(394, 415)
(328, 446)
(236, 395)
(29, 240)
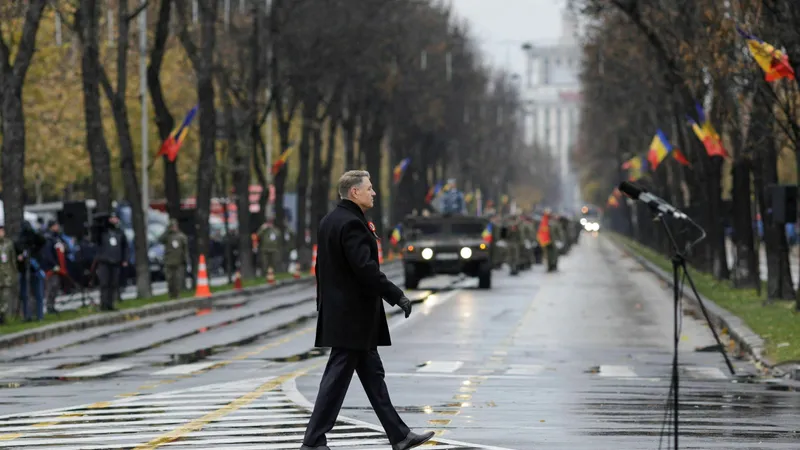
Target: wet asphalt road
(571, 360)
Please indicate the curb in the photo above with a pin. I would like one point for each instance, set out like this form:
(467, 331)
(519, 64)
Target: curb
(101, 319)
(745, 339)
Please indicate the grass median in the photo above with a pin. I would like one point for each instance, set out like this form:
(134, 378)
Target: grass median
(777, 323)
(17, 325)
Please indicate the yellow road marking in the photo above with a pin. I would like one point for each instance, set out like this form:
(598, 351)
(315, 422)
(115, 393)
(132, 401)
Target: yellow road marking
(240, 402)
(9, 436)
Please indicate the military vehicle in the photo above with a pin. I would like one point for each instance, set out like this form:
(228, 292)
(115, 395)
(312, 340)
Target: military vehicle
(449, 244)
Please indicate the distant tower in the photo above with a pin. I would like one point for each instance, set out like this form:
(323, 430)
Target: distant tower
(569, 28)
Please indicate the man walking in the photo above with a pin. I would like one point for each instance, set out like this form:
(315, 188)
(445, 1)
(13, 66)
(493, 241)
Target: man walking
(352, 320)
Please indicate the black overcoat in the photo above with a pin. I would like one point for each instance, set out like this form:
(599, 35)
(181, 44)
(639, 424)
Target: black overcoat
(350, 284)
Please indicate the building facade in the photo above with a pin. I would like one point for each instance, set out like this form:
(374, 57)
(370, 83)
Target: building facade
(552, 93)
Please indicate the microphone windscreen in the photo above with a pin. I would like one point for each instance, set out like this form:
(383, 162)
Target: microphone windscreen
(631, 190)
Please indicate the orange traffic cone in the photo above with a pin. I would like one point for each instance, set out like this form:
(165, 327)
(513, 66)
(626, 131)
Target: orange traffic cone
(296, 272)
(237, 281)
(270, 275)
(314, 260)
(380, 253)
(202, 279)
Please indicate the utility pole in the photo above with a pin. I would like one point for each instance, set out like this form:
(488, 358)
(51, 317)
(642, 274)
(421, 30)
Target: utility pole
(143, 94)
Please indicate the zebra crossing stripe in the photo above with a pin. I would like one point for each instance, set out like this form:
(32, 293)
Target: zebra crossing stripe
(441, 366)
(525, 369)
(19, 370)
(616, 371)
(186, 369)
(705, 373)
(99, 371)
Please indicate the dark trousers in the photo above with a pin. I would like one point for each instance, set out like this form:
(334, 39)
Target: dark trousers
(108, 278)
(176, 280)
(333, 388)
(36, 284)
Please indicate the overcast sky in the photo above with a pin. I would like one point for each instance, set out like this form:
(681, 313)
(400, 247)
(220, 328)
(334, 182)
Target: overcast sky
(501, 26)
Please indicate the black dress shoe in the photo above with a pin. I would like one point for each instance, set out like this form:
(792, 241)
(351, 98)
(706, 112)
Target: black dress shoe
(413, 440)
(321, 447)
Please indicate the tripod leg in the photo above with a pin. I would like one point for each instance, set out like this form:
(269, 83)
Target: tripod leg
(677, 263)
(708, 320)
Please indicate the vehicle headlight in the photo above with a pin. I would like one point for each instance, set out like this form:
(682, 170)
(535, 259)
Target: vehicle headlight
(466, 252)
(427, 253)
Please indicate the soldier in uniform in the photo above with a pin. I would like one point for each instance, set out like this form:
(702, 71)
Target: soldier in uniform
(112, 256)
(547, 235)
(515, 243)
(8, 273)
(268, 246)
(528, 236)
(176, 253)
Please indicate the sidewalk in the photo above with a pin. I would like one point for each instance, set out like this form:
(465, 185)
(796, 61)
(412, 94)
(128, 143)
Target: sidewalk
(77, 299)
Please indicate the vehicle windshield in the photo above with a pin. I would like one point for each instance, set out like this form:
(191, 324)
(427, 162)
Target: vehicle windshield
(467, 229)
(426, 229)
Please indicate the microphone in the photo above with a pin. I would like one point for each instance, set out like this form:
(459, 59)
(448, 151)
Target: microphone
(657, 204)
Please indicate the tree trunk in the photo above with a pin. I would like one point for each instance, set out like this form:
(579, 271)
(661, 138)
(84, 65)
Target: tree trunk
(241, 184)
(319, 183)
(349, 129)
(99, 157)
(779, 281)
(208, 123)
(372, 152)
(127, 157)
(258, 149)
(746, 259)
(13, 157)
(720, 267)
(164, 120)
(310, 104)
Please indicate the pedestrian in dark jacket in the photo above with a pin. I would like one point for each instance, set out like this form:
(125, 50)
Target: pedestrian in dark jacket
(352, 321)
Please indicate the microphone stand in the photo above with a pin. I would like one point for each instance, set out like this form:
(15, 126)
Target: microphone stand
(679, 265)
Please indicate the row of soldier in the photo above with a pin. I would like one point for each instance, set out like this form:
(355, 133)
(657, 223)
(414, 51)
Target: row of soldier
(269, 247)
(523, 240)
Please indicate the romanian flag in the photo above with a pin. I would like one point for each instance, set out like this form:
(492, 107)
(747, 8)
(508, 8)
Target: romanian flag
(659, 149)
(612, 201)
(773, 62)
(433, 192)
(543, 234)
(396, 234)
(680, 157)
(172, 144)
(707, 134)
(278, 165)
(636, 167)
(487, 234)
(400, 169)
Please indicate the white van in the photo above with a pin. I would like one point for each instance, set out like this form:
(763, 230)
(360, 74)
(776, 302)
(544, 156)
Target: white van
(29, 216)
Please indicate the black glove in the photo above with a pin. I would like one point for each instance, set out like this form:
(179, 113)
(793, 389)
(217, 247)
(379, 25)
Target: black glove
(405, 304)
